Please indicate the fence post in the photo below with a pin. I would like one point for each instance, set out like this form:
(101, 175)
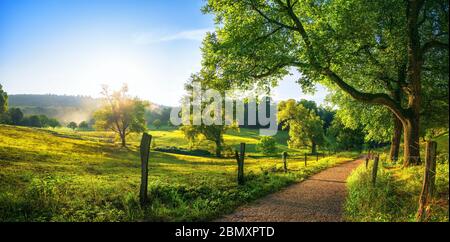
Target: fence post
(375, 169)
(428, 181)
(367, 161)
(240, 160)
(284, 155)
(145, 153)
(306, 159)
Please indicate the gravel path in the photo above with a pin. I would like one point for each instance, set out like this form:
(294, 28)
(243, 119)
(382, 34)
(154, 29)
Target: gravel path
(317, 199)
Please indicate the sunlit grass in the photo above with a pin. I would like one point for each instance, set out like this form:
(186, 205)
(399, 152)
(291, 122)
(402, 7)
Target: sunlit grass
(395, 198)
(62, 175)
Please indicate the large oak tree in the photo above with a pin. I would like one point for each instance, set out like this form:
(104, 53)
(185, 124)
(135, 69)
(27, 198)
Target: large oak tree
(368, 49)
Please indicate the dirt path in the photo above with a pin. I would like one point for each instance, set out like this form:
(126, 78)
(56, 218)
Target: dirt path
(318, 199)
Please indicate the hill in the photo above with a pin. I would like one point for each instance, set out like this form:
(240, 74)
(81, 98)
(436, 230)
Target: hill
(64, 108)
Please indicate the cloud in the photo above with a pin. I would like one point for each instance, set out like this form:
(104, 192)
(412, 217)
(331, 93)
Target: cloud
(146, 38)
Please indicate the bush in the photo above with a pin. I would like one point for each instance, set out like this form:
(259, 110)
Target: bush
(267, 145)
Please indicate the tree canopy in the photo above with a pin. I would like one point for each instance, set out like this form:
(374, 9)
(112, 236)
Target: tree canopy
(121, 113)
(3, 100)
(368, 49)
(305, 126)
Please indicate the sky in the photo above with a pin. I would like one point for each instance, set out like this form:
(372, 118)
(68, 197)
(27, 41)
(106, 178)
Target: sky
(72, 47)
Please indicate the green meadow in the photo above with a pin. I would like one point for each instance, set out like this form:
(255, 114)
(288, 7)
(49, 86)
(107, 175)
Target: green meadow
(64, 175)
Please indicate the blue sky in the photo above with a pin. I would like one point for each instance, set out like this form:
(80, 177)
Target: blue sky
(74, 46)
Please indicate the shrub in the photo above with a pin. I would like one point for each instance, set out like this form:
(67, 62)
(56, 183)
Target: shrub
(267, 145)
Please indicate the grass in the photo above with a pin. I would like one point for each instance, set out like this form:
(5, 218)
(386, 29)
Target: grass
(395, 196)
(61, 175)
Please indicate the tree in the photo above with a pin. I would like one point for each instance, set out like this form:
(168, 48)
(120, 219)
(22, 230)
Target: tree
(84, 125)
(340, 137)
(377, 122)
(72, 125)
(3, 102)
(53, 123)
(213, 132)
(365, 48)
(157, 123)
(305, 127)
(16, 116)
(121, 113)
(191, 134)
(35, 121)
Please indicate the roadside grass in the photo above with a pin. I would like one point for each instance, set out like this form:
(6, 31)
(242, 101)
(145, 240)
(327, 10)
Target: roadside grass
(61, 175)
(395, 197)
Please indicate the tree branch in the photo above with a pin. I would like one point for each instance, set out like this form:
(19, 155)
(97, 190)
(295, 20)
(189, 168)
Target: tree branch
(270, 20)
(434, 44)
(379, 98)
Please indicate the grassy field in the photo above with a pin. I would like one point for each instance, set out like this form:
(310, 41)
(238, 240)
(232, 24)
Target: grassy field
(396, 194)
(61, 175)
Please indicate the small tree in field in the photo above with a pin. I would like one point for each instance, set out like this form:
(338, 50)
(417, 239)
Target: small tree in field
(16, 116)
(121, 113)
(72, 125)
(267, 145)
(157, 123)
(53, 123)
(84, 125)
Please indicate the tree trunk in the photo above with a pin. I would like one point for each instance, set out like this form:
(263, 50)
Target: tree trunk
(411, 154)
(396, 137)
(123, 140)
(218, 148)
(313, 148)
(414, 73)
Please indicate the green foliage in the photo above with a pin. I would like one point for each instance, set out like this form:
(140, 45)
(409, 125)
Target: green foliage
(191, 134)
(368, 49)
(267, 145)
(160, 113)
(3, 100)
(157, 123)
(376, 121)
(51, 122)
(305, 127)
(16, 116)
(39, 121)
(339, 137)
(84, 125)
(213, 132)
(72, 125)
(121, 114)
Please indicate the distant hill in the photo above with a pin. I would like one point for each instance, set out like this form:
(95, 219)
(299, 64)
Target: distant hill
(62, 107)
(50, 100)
